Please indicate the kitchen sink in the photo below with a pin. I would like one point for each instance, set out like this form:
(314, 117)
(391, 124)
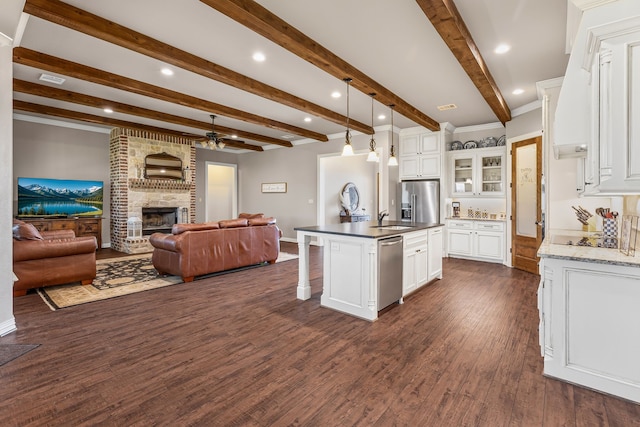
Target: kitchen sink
(392, 227)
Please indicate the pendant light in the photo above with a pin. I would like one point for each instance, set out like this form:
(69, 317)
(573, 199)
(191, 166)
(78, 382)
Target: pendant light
(392, 153)
(347, 150)
(373, 155)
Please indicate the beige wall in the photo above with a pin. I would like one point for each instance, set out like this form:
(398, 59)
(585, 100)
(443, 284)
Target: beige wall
(44, 151)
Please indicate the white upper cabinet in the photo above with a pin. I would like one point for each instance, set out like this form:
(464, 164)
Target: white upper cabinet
(607, 57)
(477, 173)
(420, 155)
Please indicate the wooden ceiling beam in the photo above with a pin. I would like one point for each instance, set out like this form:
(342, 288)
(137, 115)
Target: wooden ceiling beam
(446, 19)
(90, 118)
(30, 88)
(50, 63)
(77, 19)
(259, 19)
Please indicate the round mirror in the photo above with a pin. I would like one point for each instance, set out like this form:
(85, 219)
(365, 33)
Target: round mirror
(350, 198)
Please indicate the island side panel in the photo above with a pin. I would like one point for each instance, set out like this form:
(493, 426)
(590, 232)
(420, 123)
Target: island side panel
(350, 276)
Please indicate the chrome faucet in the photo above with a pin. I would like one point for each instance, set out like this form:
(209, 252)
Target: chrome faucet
(381, 216)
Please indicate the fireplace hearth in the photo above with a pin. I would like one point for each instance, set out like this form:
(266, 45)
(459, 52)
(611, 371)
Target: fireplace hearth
(158, 220)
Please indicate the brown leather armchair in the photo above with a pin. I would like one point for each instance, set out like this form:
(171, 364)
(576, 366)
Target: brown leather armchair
(51, 258)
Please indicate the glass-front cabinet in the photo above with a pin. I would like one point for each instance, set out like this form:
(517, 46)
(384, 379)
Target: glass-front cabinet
(478, 172)
(463, 175)
(492, 176)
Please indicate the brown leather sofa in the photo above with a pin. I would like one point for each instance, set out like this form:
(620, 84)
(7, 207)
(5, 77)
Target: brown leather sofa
(198, 249)
(51, 257)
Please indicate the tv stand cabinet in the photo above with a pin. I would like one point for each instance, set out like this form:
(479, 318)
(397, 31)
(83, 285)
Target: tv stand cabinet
(80, 226)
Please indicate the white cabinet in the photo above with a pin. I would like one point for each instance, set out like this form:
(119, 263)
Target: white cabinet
(479, 172)
(481, 240)
(589, 321)
(460, 238)
(612, 165)
(420, 156)
(435, 253)
(415, 265)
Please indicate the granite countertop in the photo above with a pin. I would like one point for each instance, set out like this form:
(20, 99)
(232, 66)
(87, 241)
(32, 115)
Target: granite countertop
(468, 218)
(368, 229)
(583, 253)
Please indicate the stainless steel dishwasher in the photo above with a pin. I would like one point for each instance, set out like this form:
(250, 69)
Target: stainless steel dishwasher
(389, 271)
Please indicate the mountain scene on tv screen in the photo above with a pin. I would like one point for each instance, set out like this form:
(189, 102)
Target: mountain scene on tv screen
(47, 198)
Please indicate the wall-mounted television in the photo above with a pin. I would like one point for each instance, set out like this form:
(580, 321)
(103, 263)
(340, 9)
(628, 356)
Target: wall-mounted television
(48, 198)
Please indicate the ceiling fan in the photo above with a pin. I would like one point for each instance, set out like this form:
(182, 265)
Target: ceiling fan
(214, 140)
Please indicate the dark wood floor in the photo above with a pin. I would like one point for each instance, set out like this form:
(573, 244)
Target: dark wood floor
(241, 350)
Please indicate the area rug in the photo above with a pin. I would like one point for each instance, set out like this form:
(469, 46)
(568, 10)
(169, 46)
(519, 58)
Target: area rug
(9, 352)
(116, 277)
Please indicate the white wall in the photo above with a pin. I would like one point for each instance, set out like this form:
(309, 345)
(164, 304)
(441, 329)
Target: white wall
(11, 10)
(7, 321)
(336, 171)
(561, 182)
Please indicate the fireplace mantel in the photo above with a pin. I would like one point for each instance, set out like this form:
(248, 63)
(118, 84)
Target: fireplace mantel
(158, 184)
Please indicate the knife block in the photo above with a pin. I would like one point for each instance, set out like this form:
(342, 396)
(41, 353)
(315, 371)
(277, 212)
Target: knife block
(590, 226)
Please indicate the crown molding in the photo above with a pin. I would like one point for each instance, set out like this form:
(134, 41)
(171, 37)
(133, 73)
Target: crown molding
(60, 123)
(590, 4)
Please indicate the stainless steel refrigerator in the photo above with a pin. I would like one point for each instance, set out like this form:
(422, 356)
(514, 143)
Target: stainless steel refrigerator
(419, 201)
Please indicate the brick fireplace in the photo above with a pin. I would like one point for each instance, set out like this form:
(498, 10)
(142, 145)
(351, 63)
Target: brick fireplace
(131, 192)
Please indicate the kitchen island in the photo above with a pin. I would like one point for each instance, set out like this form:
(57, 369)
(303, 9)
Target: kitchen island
(350, 262)
(589, 331)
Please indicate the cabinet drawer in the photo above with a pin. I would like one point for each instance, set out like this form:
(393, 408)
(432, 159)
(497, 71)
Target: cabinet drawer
(88, 227)
(63, 225)
(461, 225)
(489, 226)
(414, 240)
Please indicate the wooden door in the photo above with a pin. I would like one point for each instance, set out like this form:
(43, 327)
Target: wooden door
(526, 203)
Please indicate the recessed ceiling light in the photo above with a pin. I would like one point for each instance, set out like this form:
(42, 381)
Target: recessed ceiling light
(518, 91)
(336, 94)
(307, 119)
(52, 79)
(167, 71)
(288, 136)
(107, 110)
(234, 136)
(382, 117)
(259, 57)
(502, 48)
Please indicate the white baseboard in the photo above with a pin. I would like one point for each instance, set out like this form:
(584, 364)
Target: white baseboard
(8, 326)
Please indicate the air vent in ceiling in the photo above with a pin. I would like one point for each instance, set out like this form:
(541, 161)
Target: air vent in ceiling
(52, 79)
(447, 107)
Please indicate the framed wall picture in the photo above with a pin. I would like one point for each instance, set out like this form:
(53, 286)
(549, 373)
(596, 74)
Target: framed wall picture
(274, 187)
